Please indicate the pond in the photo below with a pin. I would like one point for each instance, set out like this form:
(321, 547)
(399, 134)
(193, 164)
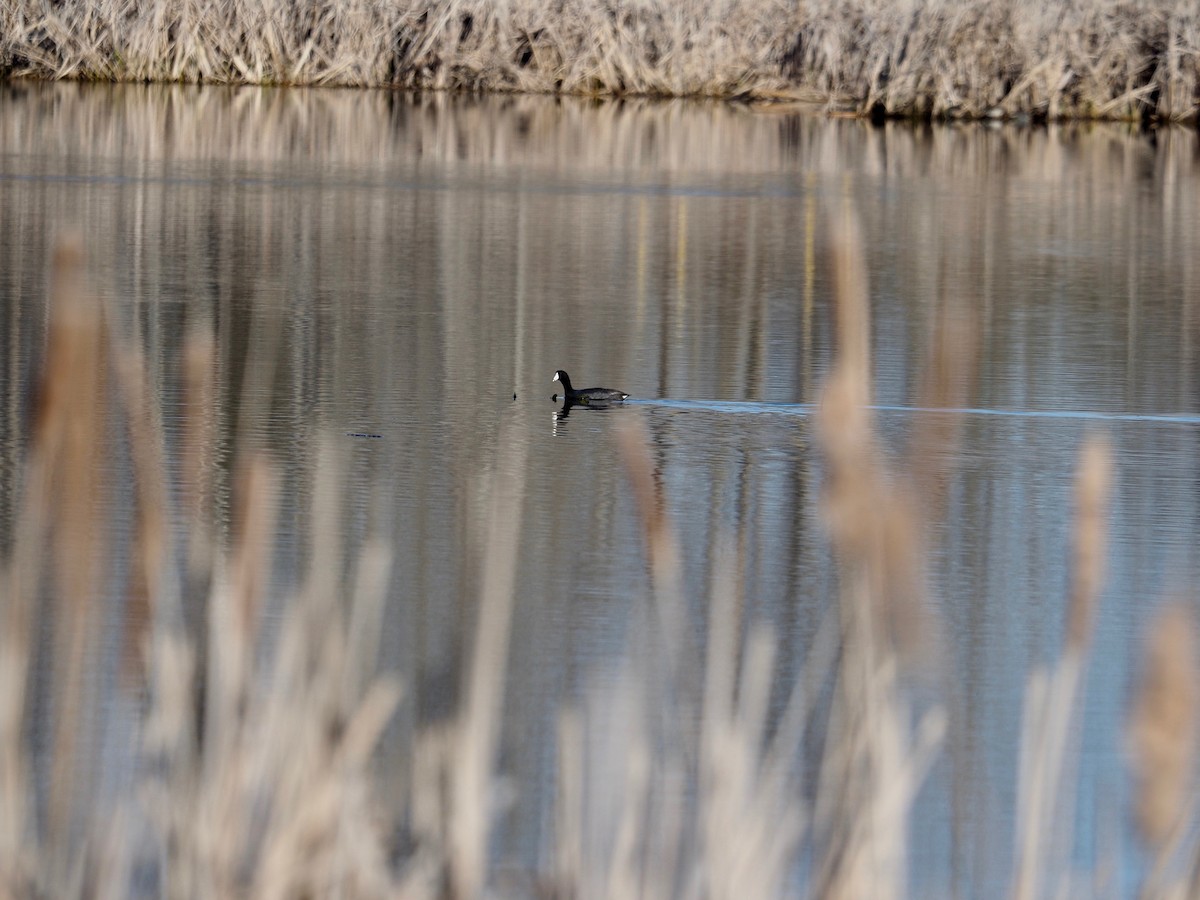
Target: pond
(402, 275)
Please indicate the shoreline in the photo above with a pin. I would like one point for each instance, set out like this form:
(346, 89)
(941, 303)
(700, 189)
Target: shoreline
(781, 104)
(940, 61)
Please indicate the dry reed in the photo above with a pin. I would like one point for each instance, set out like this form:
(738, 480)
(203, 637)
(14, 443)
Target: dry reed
(1049, 733)
(1087, 59)
(870, 514)
(749, 819)
(1162, 737)
(682, 779)
(264, 794)
(878, 748)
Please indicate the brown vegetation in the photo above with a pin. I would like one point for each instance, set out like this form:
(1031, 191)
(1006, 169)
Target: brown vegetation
(1162, 744)
(942, 58)
(251, 767)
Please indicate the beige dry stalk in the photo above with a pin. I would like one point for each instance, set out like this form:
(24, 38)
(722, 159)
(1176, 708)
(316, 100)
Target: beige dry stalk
(1093, 484)
(233, 609)
(1163, 729)
(945, 391)
(660, 537)
(874, 761)
(871, 519)
(1046, 773)
(478, 729)
(278, 801)
(255, 529)
(665, 571)
(72, 430)
(152, 534)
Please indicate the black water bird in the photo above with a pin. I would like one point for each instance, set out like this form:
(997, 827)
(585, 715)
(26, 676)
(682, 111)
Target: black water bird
(593, 396)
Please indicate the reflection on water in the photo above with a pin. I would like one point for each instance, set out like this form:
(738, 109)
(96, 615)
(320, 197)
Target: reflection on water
(376, 263)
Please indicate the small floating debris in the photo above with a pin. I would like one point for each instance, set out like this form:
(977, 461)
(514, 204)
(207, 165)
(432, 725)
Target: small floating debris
(363, 434)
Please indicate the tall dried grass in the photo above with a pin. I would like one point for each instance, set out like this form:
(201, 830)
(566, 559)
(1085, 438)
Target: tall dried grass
(879, 748)
(247, 765)
(1162, 744)
(264, 793)
(1083, 59)
(1049, 735)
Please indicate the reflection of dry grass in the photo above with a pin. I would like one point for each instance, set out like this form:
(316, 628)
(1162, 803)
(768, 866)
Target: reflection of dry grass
(1102, 58)
(248, 764)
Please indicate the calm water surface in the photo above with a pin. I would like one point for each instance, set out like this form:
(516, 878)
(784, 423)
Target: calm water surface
(375, 263)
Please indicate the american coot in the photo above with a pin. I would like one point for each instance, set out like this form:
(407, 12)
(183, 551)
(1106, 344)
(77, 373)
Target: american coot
(586, 396)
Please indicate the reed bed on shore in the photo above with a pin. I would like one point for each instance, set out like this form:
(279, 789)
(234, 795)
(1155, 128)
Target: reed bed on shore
(222, 760)
(1106, 59)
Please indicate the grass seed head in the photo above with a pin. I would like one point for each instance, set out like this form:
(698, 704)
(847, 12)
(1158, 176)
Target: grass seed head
(1162, 727)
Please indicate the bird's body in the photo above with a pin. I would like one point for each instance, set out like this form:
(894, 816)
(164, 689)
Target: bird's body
(586, 396)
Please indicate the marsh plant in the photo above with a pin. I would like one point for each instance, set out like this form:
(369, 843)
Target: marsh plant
(222, 759)
(942, 58)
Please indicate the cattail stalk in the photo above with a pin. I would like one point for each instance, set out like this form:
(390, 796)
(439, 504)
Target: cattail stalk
(1162, 737)
(1052, 698)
